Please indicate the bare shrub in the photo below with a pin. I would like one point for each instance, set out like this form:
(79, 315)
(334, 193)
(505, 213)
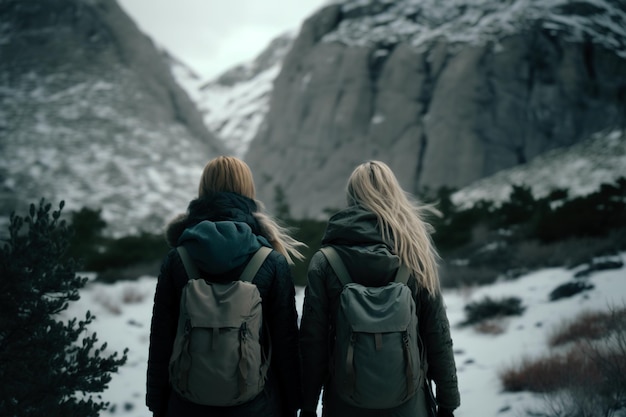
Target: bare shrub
(132, 295)
(587, 380)
(587, 326)
(550, 373)
(466, 291)
(575, 402)
(491, 327)
(610, 357)
(593, 397)
(108, 303)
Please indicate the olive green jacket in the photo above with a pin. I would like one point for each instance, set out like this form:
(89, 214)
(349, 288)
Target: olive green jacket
(370, 261)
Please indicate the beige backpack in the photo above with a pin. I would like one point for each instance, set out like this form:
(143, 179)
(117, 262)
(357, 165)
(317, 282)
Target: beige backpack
(218, 358)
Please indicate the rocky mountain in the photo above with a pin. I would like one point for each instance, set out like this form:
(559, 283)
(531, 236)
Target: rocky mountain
(90, 113)
(446, 92)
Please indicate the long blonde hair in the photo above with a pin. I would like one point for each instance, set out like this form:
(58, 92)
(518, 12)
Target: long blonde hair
(401, 219)
(230, 174)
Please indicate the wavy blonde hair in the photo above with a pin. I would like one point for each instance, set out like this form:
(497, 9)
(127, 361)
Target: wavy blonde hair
(230, 174)
(401, 219)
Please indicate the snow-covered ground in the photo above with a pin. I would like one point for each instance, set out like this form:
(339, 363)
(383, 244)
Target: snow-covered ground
(123, 313)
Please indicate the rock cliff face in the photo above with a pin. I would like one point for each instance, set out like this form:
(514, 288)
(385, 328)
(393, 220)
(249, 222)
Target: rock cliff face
(446, 92)
(90, 113)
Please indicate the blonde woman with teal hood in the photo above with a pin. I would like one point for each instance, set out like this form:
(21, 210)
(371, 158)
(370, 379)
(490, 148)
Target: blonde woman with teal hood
(221, 230)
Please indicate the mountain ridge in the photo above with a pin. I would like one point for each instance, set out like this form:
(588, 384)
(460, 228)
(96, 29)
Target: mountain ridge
(86, 123)
(419, 22)
(90, 114)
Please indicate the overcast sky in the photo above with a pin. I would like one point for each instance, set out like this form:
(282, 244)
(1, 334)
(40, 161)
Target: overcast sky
(211, 36)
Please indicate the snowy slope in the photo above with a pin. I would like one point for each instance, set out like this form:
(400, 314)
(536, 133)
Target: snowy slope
(581, 169)
(187, 78)
(235, 103)
(123, 313)
(236, 112)
(90, 147)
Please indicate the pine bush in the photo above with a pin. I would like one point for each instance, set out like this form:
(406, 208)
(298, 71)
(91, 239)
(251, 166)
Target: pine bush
(48, 366)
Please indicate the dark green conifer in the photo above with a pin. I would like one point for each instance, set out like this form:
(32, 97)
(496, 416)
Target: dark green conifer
(48, 366)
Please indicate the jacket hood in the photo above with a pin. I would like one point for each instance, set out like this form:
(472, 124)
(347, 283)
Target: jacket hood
(355, 234)
(218, 247)
(218, 206)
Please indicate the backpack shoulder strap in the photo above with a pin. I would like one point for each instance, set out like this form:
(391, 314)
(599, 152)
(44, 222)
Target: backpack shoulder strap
(403, 274)
(190, 267)
(255, 264)
(248, 275)
(337, 264)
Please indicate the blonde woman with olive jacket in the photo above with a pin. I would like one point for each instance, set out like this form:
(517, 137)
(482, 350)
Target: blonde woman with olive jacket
(380, 228)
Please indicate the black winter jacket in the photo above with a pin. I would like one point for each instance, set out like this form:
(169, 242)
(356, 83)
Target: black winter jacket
(354, 233)
(221, 234)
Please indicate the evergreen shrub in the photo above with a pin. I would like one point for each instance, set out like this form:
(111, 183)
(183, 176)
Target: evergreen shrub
(48, 366)
(489, 308)
(569, 289)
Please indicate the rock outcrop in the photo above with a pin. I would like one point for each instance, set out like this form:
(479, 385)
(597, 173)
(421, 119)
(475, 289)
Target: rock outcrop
(444, 94)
